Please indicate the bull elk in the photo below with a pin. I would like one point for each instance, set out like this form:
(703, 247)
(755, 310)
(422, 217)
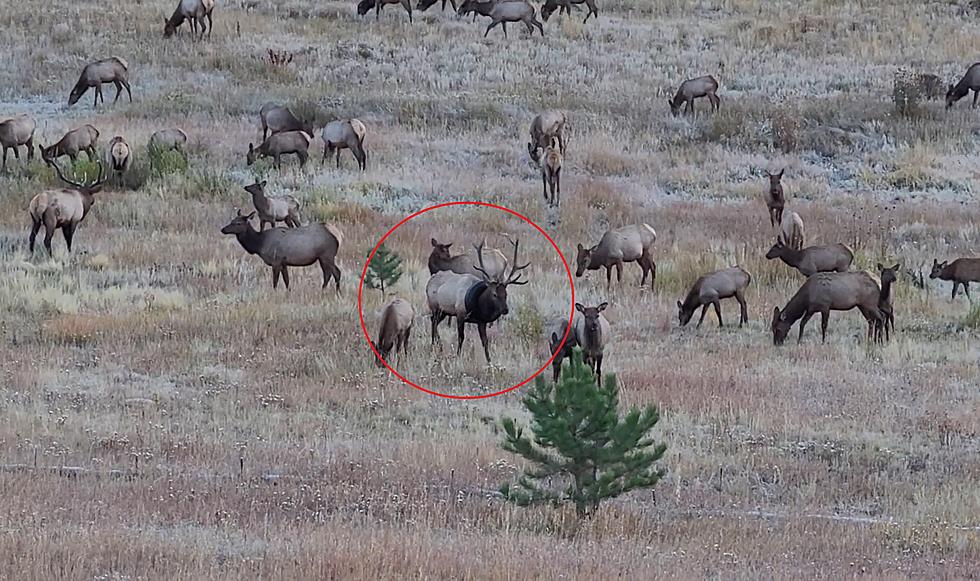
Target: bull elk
(345, 134)
(275, 209)
(969, 82)
(825, 292)
(961, 271)
(813, 259)
(626, 244)
(710, 289)
(113, 70)
(79, 139)
(775, 198)
(15, 133)
(692, 89)
(193, 11)
(545, 128)
(63, 209)
(280, 144)
(396, 327)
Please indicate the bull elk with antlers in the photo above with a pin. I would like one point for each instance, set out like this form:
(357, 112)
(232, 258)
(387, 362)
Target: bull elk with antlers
(63, 209)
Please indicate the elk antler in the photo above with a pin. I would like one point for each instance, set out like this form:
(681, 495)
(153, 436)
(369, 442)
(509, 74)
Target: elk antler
(79, 185)
(515, 273)
(479, 256)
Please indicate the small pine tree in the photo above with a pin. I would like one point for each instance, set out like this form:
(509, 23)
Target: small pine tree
(384, 270)
(580, 442)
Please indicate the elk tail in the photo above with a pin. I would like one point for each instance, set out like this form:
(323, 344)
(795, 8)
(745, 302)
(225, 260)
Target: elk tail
(651, 231)
(335, 232)
(122, 61)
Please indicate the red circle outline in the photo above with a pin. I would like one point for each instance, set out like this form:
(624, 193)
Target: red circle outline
(360, 296)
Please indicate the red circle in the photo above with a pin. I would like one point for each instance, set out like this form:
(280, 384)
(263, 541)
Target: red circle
(360, 295)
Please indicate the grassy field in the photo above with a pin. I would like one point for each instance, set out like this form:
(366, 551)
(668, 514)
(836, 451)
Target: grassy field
(167, 415)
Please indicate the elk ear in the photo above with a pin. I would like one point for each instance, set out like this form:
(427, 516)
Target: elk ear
(897, 267)
(581, 248)
(238, 211)
(602, 307)
(262, 183)
(554, 338)
(251, 148)
(775, 314)
(680, 305)
(434, 243)
(780, 174)
(579, 308)
(250, 216)
(879, 266)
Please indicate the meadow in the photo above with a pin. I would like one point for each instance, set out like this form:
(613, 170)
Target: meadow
(168, 415)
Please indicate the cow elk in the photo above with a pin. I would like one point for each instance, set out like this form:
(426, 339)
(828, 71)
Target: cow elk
(692, 89)
(494, 261)
(113, 70)
(564, 6)
(791, 231)
(168, 140)
(513, 11)
(969, 82)
(813, 259)
(961, 271)
(280, 144)
(279, 119)
(825, 292)
(710, 289)
(551, 173)
(775, 198)
(345, 134)
(626, 244)
(545, 128)
(477, 7)
(193, 11)
(118, 156)
(281, 248)
(591, 334)
(15, 133)
(80, 139)
(396, 327)
(365, 6)
(63, 209)
(886, 300)
(274, 209)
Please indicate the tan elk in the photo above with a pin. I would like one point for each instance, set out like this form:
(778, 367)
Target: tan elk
(692, 89)
(813, 259)
(710, 289)
(830, 291)
(273, 209)
(886, 299)
(63, 209)
(113, 70)
(513, 11)
(591, 334)
(173, 139)
(551, 173)
(280, 144)
(479, 300)
(545, 128)
(118, 156)
(15, 133)
(626, 244)
(969, 82)
(495, 263)
(365, 6)
(193, 11)
(791, 231)
(775, 198)
(279, 118)
(281, 248)
(80, 139)
(564, 6)
(345, 134)
(961, 271)
(396, 327)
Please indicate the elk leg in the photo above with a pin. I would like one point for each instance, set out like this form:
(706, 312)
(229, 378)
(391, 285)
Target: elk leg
(118, 86)
(97, 91)
(285, 276)
(717, 305)
(90, 153)
(460, 326)
(275, 277)
(30, 149)
(955, 284)
(210, 25)
(436, 319)
(966, 289)
(35, 227)
(824, 319)
(492, 24)
(377, 9)
(704, 311)
(68, 231)
(4, 160)
(504, 24)
(744, 318)
(558, 187)
(336, 276)
(129, 92)
(619, 272)
(338, 158)
(976, 94)
(327, 272)
(303, 156)
(544, 179)
(803, 323)
(408, 8)
(608, 277)
(598, 368)
(482, 327)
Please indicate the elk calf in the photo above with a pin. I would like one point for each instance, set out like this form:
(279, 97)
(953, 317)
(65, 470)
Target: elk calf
(791, 232)
(346, 134)
(545, 129)
(396, 326)
(62, 209)
(551, 173)
(280, 144)
(113, 70)
(813, 259)
(710, 289)
(775, 199)
(17, 132)
(887, 297)
(825, 292)
(591, 333)
(969, 82)
(692, 89)
(626, 244)
(82, 138)
(275, 209)
(961, 271)
(561, 351)
(118, 156)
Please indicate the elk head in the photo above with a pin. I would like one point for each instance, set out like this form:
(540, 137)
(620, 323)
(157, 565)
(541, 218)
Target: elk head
(777, 250)
(239, 224)
(493, 301)
(440, 251)
(780, 327)
(591, 315)
(888, 275)
(774, 179)
(583, 260)
(256, 188)
(937, 268)
(950, 96)
(252, 155)
(683, 315)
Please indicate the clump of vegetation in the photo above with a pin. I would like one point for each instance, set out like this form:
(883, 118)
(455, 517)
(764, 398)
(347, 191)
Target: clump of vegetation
(907, 92)
(384, 270)
(580, 439)
(786, 129)
(166, 161)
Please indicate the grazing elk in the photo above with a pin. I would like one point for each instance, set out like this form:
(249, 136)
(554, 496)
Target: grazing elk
(626, 244)
(560, 350)
(513, 11)
(365, 6)
(830, 291)
(710, 289)
(281, 248)
(545, 128)
(551, 173)
(550, 6)
(275, 209)
(426, 4)
(396, 326)
(961, 271)
(886, 300)
(494, 261)
(775, 198)
(813, 259)
(969, 82)
(15, 133)
(118, 156)
(63, 209)
(791, 231)
(82, 138)
(194, 11)
(345, 134)
(591, 334)
(278, 119)
(168, 140)
(479, 300)
(692, 89)
(280, 144)
(113, 70)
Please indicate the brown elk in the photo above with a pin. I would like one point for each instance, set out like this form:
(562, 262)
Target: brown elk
(591, 334)
(365, 6)
(825, 292)
(80, 139)
(564, 6)
(396, 327)
(551, 173)
(961, 271)
(278, 119)
(886, 300)
(274, 209)
(479, 300)
(118, 156)
(626, 244)
(775, 199)
(791, 231)
(692, 89)
(193, 11)
(560, 350)
(168, 140)
(15, 133)
(280, 144)
(495, 263)
(63, 209)
(813, 259)
(281, 248)
(513, 11)
(113, 70)
(545, 128)
(969, 82)
(346, 134)
(710, 289)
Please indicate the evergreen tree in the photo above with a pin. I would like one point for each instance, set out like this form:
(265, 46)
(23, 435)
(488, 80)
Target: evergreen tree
(581, 450)
(384, 270)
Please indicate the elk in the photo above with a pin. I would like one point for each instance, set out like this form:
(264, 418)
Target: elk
(278, 119)
(692, 89)
(345, 134)
(118, 156)
(63, 209)
(710, 289)
(775, 199)
(194, 11)
(545, 128)
(513, 11)
(495, 263)
(961, 271)
(791, 231)
(969, 82)
(479, 300)
(477, 7)
(113, 70)
(281, 248)
(551, 173)
(15, 133)
(365, 6)
(275, 209)
(426, 4)
(626, 244)
(813, 259)
(825, 292)
(560, 350)
(591, 333)
(167, 140)
(396, 326)
(280, 144)
(886, 299)
(82, 138)
(550, 6)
